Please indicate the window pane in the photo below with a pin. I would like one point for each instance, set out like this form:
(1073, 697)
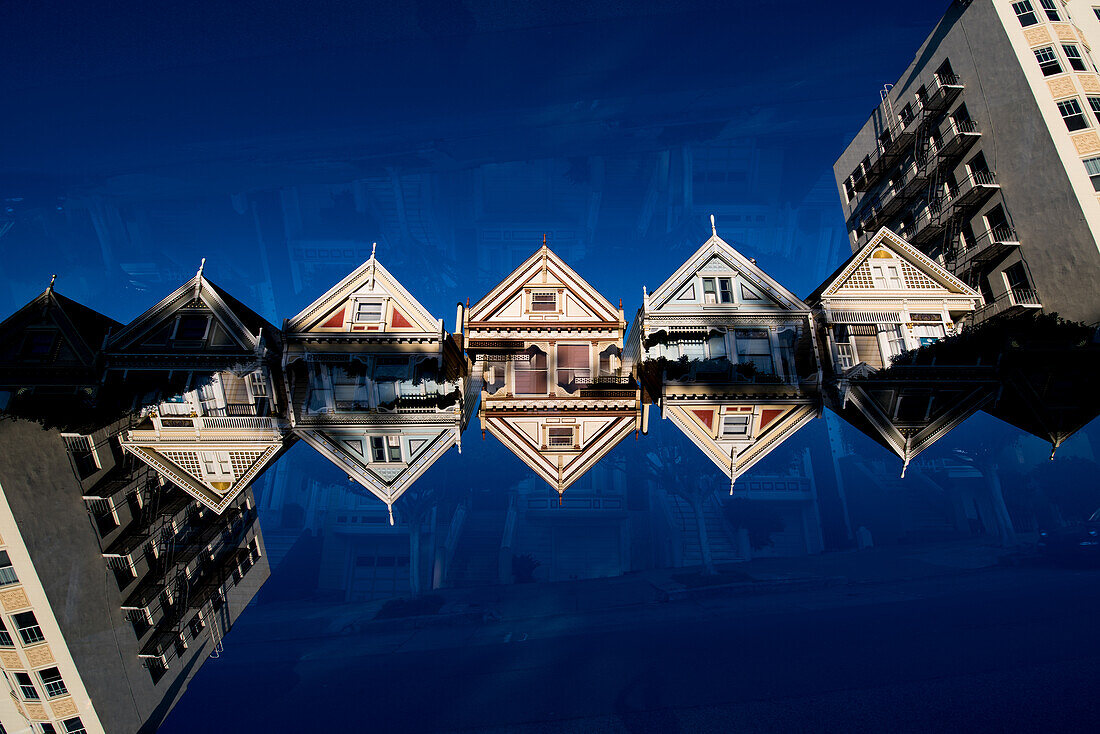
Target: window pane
(726, 290)
(1025, 13)
(544, 301)
(369, 311)
(7, 573)
(28, 628)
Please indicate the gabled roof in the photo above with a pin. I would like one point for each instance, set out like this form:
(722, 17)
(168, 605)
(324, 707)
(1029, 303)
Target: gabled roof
(82, 328)
(523, 435)
(926, 276)
(425, 445)
(332, 312)
(717, 254)
(242, 323)
(181, 463)
(870, 405)
(770, 425)
(543, 269)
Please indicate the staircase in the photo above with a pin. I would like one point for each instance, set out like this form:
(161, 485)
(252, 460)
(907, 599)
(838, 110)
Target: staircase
(477, 555)
(723, 546)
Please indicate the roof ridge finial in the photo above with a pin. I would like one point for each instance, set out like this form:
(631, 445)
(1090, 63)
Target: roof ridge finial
(49, 288)
(198, 277)
(713, 226)
(544, 239)
(373, 263)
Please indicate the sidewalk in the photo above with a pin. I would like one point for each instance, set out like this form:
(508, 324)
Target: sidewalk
(509, 603)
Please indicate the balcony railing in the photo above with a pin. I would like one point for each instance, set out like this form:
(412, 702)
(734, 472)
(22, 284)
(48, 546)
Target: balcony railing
(1015, 300)
(942, 92)
(989, 245)
(955, 141)
(972, 190)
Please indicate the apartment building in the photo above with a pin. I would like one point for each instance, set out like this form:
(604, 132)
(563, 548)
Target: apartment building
(985, 155)
(116, 584)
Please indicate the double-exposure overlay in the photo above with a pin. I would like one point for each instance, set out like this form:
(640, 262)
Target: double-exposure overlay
(468, 368)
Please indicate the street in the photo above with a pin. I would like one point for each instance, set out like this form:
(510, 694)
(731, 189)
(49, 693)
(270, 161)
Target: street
(1000, 649)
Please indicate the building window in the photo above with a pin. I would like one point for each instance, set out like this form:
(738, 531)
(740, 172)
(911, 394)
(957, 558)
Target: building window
(725, 290)
(754, 346)
(530, 375)
(28, 628)
(544, 301)
(1025, 13)
(1016, 279)
(1050, 9)
(7, 573)
(1096, 12)
(560, 438)
(26, 687)
(83, 453)
(1092, 166)
(38, 344)
(74, 726)
(1048, 61)
(887, 277)
(385, 448)
(48, 728)
(368, 311)
(735, 425)
(1073, 114)
(191, 328)
(51, 681)
(1074, 55)
(573, 363)
(1094, 105)
(710, 295)
(5, 636)
(196, 625)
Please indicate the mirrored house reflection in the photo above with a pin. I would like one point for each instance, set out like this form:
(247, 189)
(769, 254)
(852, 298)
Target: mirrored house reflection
(548, 349)
(110, 508)
(886, 300)
(728, 354)
(376, 383)
(206, 369)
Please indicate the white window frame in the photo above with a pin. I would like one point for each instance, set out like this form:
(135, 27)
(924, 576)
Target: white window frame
(59, 687)
(1048, 61)
(1074, 54)
(542, 294)
(1072, 106)
(736, 420)
(1025, 12)
(557, 443)
(358, 315)
(182, 316)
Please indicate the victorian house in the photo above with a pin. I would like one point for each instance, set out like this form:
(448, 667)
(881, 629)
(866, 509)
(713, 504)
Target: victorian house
(548, 347)
(728, 354)
(888, 300)
(204, 371)
(376, 383)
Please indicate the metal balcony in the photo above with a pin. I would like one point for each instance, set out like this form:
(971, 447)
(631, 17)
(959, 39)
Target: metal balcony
(972, 191)
(906, 185)
(928, 224)
(990, 245)
(957, 140)
(1016, 300)
(941, 92)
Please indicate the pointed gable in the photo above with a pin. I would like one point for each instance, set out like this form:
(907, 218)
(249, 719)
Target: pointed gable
(197, 315)
(384, 460)
(368, 301)
(908, 416)
(561, 448)
(543, 289)
(717, 276)
(53, 330)
(213, 472)
(912, 270)
(736, 434)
